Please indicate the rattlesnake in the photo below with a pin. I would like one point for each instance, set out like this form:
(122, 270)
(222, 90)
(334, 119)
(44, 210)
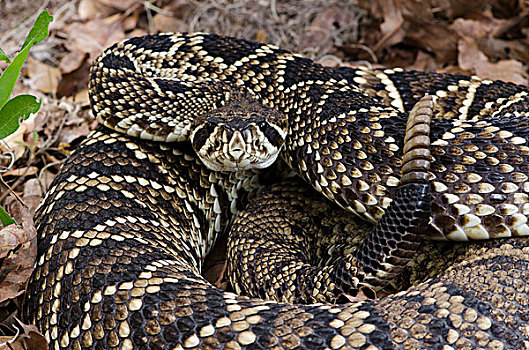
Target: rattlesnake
(126, 225)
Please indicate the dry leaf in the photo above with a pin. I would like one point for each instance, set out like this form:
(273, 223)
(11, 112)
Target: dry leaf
(76, 80)
(14, 142)
(473, 28)
(25, 171)
(472, 59)
(321, 32)
(172, 17)
(457, 8)
(11, 237)
(414, 24)
(364, 294)
(70, 134)
(19, 251)
(87, 9)
(166, 23)
(469, 54)
(90, 9)
(426, 33)
(215, 264)
(136, 32)
(260, 36)
(34, 190)
(423, 62)
(130, 22)
(216, 274)
(27, 337)
(80, 97)
(86, 40)
(93, 36)
(71, 61)
(120, 5)
(391, 28)
(42, 77)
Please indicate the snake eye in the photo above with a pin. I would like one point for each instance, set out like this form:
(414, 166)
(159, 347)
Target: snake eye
(202, 134)
(271, 134)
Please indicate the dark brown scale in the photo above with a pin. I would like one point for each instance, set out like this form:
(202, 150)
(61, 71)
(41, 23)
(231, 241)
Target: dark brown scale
(492, 92)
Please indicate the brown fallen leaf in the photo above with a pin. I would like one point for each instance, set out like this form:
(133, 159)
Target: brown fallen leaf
(475, 29)
(75, 81)
(71, 61)
(487, 33)
(215, 265)
(11, 237)
(120, 5)
(18, 251)
(321, 32)
(260, 36)
(171, 18)
(90, 9)
(392, 28)
(93, 36)
(364, 294)
(14, 142)
(16, 270)
(26, 337)
(34, 190)
(42, 77)
(80, 97)
(412, 25)
(456, 8)
(130, 22)
(25, 171)
(87, 9)
(470, 58)
(424, 31)
(70, 134)
(216, 274)
(424, 62)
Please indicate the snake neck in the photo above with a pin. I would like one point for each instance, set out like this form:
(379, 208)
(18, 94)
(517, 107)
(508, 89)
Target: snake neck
(349, 151)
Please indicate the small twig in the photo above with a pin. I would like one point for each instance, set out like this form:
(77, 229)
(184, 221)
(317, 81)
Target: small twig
(387, 36)
(10, 190)
(273, 8)
(12, 161)
(130, 10)
(39, 176)
(8, 343)
(334, 58)
(154, 8)
(149, 16)
(366, 49)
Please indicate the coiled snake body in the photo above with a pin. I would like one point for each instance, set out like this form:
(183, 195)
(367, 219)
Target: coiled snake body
(126, 225)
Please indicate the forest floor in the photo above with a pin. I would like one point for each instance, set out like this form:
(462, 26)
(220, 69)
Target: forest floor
(485, 38)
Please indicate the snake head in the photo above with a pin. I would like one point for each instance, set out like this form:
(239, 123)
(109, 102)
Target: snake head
(242, 134)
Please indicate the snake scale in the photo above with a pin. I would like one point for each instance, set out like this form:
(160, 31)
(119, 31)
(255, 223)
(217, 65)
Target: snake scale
(127, 223)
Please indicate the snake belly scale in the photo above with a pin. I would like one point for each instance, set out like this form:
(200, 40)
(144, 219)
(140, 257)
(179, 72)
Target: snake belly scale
(127, 223)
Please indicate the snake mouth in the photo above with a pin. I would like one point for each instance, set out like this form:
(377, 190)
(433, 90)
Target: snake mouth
(252, 146)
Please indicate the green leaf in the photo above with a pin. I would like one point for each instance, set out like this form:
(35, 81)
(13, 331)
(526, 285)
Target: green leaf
(3, 56)
(39, 31)
(18, 107)
(5, 218)
(11, 73)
